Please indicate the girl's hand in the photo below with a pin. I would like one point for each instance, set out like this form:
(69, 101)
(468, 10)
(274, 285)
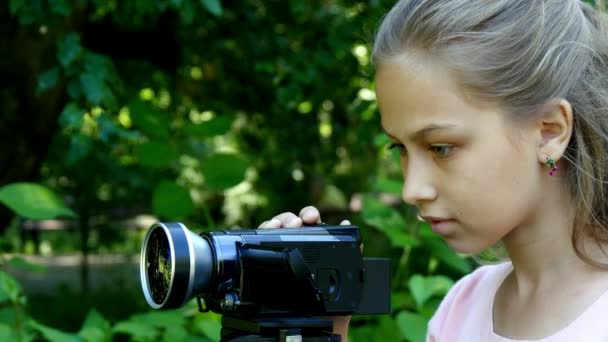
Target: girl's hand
(309, 215)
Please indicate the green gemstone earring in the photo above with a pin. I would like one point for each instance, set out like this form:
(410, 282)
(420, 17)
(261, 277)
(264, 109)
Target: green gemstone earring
(551, 163)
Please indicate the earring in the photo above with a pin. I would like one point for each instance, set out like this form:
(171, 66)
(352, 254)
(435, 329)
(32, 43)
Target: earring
(551, 163)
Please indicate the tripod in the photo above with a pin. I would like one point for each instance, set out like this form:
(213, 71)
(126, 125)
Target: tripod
(277, 329)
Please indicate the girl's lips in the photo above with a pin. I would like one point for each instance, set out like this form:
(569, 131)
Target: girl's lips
(442, 226)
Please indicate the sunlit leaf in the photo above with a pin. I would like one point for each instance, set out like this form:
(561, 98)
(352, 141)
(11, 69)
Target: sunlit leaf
(172, 201)
(34, 201)
(213, 6)
(413, 326)
(223, 171)
(155, 154)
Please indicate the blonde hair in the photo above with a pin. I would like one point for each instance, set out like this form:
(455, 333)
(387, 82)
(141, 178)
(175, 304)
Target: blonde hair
(523, 54)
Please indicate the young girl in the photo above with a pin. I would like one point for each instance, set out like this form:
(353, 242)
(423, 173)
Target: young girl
(500, 111)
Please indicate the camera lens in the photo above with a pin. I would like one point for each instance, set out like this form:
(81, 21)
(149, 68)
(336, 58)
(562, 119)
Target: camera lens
(175, 265)
(158, 265)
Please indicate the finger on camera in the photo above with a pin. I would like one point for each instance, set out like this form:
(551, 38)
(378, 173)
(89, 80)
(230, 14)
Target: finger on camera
(274, 223)
(288, 220)
(310, 215)
(294, 223)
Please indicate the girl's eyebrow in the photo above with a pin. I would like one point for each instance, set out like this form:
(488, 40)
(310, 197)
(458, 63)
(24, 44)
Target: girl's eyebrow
(423, 132)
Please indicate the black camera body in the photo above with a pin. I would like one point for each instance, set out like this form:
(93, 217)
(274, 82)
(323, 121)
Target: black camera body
(284, 275)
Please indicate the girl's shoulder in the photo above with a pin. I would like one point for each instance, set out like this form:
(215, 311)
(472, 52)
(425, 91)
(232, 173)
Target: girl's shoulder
(484, 279)
(471, 296)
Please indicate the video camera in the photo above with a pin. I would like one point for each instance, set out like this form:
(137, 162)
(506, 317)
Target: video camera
(268, 284)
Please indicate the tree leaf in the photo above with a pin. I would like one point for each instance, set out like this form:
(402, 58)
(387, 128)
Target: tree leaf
(60, 7)
(155, 154)
(95, 88)
(447, 255)
(413, 326)
(389, 186)
(53, 335)
(172, 201)
(9, 288)
(19, 262)
(175, 333)
(48, 79)
(138, 330)
(388, 221)
(214, 127)
(223, 171)
(15, 5)
(69, 49)
(210, 328)
(213, 6)
(95, 328)
(74, 89)
(423, 288)
(7, 313)
(149, 120)
(7, 333)
(80, 146)
(34, 201)
(385, 330)
(71, 116)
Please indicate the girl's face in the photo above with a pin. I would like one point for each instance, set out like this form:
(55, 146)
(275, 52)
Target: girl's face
(461, 159)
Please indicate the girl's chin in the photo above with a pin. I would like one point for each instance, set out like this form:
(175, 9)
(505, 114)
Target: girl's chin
(466, 247)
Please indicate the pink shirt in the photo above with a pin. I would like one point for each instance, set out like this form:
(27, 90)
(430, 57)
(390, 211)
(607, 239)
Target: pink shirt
(465, 314)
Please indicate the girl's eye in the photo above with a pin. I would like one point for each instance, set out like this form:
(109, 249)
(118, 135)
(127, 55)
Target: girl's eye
(443, 151)
(398, 147)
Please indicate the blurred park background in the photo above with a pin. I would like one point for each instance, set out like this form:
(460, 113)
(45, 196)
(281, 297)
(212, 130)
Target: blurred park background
(215, 113)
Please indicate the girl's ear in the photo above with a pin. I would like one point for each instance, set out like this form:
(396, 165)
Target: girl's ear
(555, 130)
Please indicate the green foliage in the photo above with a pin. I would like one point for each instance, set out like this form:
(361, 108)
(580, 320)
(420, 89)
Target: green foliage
(172, 201)
(20, 263)
(214, 6)
(223, 171)
(412, 326)
(34, 201)
(261, 107)
(177, 325)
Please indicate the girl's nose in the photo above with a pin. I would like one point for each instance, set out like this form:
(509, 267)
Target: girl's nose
(417, 190)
